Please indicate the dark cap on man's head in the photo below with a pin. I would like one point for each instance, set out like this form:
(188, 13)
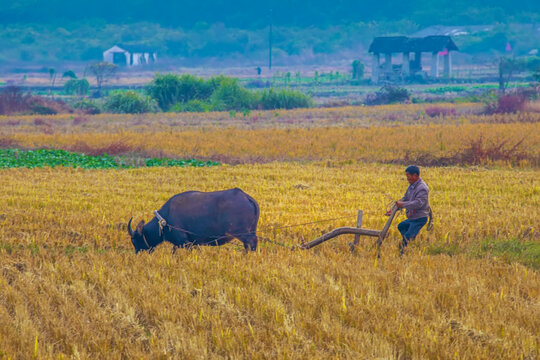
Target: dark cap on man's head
(413, 169)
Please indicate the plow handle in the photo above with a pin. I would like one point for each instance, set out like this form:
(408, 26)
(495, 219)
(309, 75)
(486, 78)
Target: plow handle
(385, 229)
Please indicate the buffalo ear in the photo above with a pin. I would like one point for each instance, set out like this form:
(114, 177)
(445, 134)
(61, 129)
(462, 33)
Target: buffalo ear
(140, 226)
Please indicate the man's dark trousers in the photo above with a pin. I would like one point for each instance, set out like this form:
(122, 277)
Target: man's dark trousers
(409, 229)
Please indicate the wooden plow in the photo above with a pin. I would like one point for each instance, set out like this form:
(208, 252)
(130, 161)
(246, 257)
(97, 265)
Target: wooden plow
(357, 231)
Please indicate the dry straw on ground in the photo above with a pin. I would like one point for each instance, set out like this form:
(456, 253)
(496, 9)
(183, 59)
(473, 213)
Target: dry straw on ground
(391, 133)
(71, 287)
(232, 145)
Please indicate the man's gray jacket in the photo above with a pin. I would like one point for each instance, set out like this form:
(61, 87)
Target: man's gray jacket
(416, 200)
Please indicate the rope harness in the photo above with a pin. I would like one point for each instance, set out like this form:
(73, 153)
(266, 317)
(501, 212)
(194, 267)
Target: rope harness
(145, 241)
(162, 224)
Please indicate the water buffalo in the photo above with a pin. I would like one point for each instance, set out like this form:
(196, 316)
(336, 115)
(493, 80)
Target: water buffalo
(200, 218)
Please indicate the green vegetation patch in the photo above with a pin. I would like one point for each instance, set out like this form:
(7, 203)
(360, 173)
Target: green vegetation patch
(188, 93)
(15, 158)
(179, 162)
(513, 250)
(524, 252)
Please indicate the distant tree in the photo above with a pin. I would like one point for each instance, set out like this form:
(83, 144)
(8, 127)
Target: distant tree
(77, 87)
(357, 70)
(52, 78)
(69, 74)
(536, 75)
(388, 94)
(507, 67)
(102, 71)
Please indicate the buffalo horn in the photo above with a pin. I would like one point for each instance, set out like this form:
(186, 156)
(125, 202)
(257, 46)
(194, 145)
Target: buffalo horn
(130, 231)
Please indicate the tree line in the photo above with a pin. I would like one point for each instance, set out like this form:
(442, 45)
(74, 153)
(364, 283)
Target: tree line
(256, 14)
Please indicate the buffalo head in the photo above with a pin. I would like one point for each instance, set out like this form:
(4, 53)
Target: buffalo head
(138, 239)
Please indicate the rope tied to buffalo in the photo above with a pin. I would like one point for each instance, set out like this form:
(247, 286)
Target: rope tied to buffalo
(162, 223)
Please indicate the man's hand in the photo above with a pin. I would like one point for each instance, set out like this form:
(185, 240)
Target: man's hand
(399, 205)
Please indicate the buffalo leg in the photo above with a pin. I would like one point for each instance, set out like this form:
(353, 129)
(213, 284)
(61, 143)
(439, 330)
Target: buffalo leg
(178, 239)
(249, 241)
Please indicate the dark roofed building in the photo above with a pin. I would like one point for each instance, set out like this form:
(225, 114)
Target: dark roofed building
(386, 44)
(437, 45)
(432, 44)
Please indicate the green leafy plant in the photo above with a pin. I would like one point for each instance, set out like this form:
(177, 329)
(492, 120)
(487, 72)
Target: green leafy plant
(129, 102)
(230, 95)
(188, 93)
(171, 89)
(193, 105)
(87, 106)
(15, 158)
(77, 87)
(388, 94)
(283, 99)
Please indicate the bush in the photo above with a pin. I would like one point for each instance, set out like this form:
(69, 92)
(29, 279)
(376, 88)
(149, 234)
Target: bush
(171, 89)
(129, 102)
(219, 93)
(87, 106)
(192, 106)
(477, 152)
(388, 95)
(77, 87)
(532, 63)
(283, 99)
(506, 104)
(435, 111)
(481, 152)
(42, 110)
(230, 95)
(14, 100)
(43, 106)
(259, 84)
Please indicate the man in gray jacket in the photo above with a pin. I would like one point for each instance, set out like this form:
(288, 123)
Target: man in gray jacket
(416, 203)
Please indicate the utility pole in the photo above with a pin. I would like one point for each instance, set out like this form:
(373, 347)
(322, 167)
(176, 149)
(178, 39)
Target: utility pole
(270, 43)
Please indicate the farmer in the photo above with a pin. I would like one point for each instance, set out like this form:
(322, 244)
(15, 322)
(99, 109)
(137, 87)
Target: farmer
(416, 203)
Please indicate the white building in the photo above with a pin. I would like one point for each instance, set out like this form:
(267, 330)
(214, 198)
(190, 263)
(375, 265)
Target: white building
(130, 55)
